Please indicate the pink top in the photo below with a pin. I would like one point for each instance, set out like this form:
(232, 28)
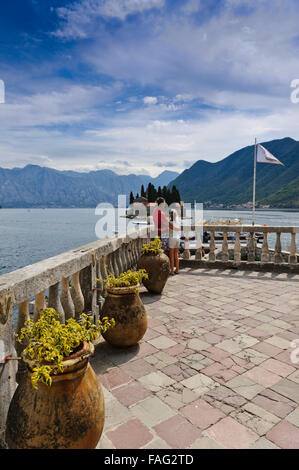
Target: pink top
(161, 222)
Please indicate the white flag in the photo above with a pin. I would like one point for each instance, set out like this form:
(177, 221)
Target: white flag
(264, 156)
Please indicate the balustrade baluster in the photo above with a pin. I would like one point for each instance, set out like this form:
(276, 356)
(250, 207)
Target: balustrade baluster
(77, 295)
(265, 256)
(186, 253)
(293, 250)
(198, 253)
(39, 304)
(237, 248)
(54, 301)
(135, 253)
(212, 255)
(23, 316)
(251, 247)
(224, 247)
(277, 253)
(100, 285)
(122, 252)
(119, 261)
(114, 263)
(130, 257)
(66, 299)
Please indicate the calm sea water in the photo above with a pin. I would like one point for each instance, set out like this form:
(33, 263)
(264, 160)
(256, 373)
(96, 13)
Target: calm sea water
(31, 235)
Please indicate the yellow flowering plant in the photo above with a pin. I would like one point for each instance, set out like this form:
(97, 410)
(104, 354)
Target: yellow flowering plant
(50, 342)
(153, 247)
(128, 278)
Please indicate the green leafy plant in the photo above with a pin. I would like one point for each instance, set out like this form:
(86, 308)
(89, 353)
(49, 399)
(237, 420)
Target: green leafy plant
(153, 247)
(50, 342)
(126, 279)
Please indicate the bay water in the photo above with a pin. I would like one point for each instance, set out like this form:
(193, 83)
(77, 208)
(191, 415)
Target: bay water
(31, 235)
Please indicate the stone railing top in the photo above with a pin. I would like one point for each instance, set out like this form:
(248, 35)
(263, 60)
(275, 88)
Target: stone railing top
(242, 228)
(24, 283)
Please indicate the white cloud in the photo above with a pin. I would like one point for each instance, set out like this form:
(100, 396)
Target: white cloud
(79, 16)
(150, 100)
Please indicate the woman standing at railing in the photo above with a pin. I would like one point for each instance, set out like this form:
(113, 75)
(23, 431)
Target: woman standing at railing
(174, 241)
(161, 223)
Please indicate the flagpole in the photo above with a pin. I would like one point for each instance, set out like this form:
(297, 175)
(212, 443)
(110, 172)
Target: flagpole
(254, 184)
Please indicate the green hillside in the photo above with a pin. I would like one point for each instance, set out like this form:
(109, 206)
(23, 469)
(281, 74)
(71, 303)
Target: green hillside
(229, 181)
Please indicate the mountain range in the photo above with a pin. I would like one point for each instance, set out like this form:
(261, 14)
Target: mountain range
(229, 182)
(36, 186)
(226, 183)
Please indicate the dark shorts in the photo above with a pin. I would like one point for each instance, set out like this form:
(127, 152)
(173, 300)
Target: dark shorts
(165, 244)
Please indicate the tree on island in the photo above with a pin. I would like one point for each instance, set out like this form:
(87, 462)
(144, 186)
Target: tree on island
(151, 194)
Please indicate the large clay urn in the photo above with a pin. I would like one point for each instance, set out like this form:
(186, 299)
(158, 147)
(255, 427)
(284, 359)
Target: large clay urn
(125, 306)
(158, 269)
(67, 415)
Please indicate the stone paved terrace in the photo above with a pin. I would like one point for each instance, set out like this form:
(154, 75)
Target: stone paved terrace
(214, 369)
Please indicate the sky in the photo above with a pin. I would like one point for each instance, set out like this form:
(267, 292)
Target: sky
(143, 86)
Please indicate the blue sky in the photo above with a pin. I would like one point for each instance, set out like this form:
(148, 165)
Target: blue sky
(139, 86)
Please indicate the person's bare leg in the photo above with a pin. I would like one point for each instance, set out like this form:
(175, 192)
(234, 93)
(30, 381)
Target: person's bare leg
(177, 261)
(171, 254)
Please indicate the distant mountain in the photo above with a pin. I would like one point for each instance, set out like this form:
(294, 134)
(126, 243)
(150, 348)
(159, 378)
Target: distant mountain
(35, 186)
(229, 181)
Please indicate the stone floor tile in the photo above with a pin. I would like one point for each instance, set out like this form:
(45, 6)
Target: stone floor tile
(200, 383)
(160, 359)
(262, 376)
(157, 443)
(178, 371)
(176, 395)
(155, 381)
(293, 417)
(178, 432)
(224, 398)
(294, 376)
(152, 411)
(162, 342)
(202, 414)
(197, 344)
(278, 341)
(263, 443)
(278, 367)
(130, 393)
(105, 443)
(285, 356)
(116, 413)
(267, 349)
(215, 353)
(274, 403)
(255, 418)
(130, 435)
(231, 434)
(288, 389)
(251, 356)
(244, 386)
(205, 443)
(219, 372)
(137, 368)
(284, 435)
(114, 378)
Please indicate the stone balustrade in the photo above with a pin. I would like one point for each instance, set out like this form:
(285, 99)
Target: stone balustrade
(234, 252)
(66, 282)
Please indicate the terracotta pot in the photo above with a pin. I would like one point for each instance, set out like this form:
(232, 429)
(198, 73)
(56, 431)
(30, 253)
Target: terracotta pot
(125, 306)
(68, 415)
(158, 269)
